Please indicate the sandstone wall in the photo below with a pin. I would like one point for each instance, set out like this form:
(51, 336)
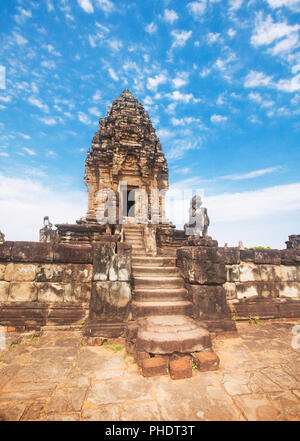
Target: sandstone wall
(227, 282)
(47, 283)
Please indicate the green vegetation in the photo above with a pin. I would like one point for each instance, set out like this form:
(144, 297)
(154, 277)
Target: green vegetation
(193, 365)
(257, 248)
(113, 346)
(255, 321)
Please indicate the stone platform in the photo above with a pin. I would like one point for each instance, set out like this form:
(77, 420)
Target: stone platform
(171, 333)
(56, 377)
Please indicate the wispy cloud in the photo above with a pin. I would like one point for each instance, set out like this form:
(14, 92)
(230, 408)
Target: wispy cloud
(170, 16)
(151, 28)
(86, 5)
(197, 9)
(217, 119)
(180, 38)
(251, 175)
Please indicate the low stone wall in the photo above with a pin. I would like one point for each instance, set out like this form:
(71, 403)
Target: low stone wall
(44, 283)
(224, 283)
(264, 283)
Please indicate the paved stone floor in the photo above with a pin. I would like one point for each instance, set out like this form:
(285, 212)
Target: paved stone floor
(55, 377)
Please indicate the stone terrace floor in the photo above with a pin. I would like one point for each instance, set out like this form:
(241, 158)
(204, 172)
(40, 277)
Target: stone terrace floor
(55, 377)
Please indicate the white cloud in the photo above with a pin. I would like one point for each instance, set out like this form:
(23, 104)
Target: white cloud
(213, 38)
(49, 121)
(113, 74)
(176, 95)
(234, 5)
(286, 45)
(231, 32)
(4, 154)
(184, 121)
(84, 118)
(38, 103)
(258, 79)
(170, 16)
(29, 151)
(254, 204)
(292, 4)
(197, 9)
(251, 175)
(115, 44)
(180, 147)
(266, 31)
(289, 85)
(151, 28)
(86, 5)
(22, 16)
(19, 39)
(154, 82)
(94, 111)
(49, 64)
(25, 202)
(180, 80)
(50, 6)
(2, 77)
(106, 5)
(218, 118)
(180, 38)
(97, 95)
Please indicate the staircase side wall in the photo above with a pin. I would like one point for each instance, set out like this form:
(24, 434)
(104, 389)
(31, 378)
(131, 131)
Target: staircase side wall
(225, 284)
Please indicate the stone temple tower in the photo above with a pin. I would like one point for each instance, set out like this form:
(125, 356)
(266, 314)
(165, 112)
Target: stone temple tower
(125, 169)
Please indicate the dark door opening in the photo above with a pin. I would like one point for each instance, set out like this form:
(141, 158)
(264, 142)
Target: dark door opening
(129, 203)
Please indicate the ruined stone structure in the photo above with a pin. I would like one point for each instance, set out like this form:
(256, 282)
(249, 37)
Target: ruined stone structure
(124, 270)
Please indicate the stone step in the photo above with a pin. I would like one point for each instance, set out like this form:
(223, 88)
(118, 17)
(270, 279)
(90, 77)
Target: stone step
(158, 282)
(158, 271)
(143, 309)
(153, 261)
(165, 294)
(171, 333)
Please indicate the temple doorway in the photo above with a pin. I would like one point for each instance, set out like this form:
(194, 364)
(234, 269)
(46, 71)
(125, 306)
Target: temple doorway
(129, 202)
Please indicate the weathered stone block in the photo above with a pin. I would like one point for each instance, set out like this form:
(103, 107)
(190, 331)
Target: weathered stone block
(269, 289)
(4, 289)
(51, 292)
(206, 361)
(249, 273)
(272, 257)
(5, 251)
(22, 292)
(208, 301)
(152, 367)
(247, 290)
(232, 255)
(113, 269)
(2, 270)
(103, 256)
(203, 272)
(124, 261)
(50, 272)
(247, 255)
(140, 356)
(23, 272)
(213, 254)
(290, 290)
(289, 273)
(180, 369)
(77, 292)
(233, 273)
(270, 273)
(31, 252)
(110, 300)
(230, 291)
(290, 257)
(72, 253)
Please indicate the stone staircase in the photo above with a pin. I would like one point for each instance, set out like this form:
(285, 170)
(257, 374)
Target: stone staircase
(160, 308)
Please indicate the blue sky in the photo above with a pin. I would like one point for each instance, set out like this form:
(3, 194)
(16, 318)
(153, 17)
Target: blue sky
(221, 83)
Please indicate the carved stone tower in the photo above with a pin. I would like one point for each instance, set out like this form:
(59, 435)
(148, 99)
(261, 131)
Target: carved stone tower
(125, 169)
